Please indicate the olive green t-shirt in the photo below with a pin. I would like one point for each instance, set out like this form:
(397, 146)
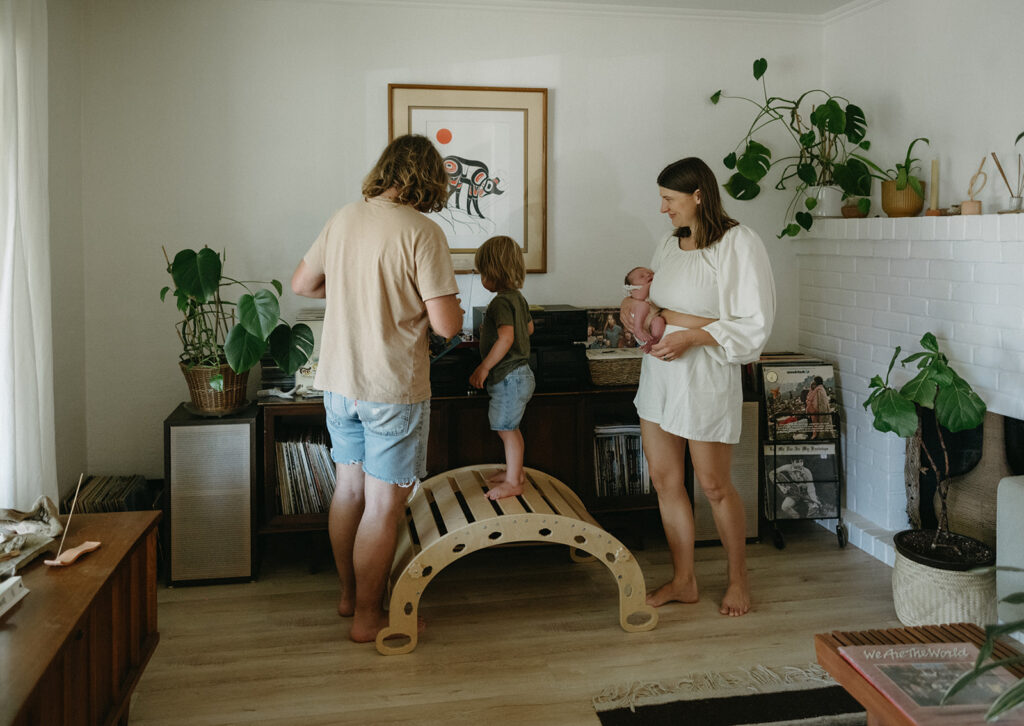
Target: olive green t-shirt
(507, 308)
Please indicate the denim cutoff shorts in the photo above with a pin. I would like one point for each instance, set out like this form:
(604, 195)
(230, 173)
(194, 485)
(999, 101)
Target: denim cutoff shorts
(388, 439)
(509, 397)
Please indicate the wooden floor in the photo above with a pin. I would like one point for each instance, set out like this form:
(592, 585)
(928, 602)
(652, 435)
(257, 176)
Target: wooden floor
(515, 635)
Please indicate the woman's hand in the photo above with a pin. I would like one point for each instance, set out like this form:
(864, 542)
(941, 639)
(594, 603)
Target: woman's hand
(676, 343)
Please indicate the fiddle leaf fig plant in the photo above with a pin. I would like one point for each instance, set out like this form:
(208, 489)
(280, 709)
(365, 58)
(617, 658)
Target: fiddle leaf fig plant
(938, 387)
(825, 130)
(215, 330)
(903, 174)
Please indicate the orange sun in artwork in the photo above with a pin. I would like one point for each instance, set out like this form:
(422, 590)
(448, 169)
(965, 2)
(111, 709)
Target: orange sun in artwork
(443, 136)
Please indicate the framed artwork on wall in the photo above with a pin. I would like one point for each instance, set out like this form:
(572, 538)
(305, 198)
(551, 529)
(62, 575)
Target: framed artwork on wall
(494, 144)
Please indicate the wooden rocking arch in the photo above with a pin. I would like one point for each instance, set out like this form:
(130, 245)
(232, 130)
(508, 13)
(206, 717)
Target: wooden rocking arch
(449, 517)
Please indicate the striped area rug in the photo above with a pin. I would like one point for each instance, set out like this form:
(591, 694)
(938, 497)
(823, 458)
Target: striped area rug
(777, 696)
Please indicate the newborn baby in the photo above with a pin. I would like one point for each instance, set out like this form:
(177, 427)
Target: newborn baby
(638, 312)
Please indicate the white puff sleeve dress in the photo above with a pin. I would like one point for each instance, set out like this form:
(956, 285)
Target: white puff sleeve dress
(699, 396)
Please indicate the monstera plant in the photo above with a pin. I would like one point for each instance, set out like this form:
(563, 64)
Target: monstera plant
(825, 130)
(221, 337)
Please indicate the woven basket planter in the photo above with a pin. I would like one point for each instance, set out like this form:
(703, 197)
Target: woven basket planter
(208, 401)
(928, 595)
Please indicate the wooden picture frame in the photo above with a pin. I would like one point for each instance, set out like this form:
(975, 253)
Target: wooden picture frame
(494, 141)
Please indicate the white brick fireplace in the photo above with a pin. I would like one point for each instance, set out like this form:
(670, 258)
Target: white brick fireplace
(868, 285)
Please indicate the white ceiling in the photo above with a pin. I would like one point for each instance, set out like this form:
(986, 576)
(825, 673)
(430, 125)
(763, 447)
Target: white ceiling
(804, 9)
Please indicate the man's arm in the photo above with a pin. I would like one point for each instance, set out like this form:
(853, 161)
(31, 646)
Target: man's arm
(308, 283)
(445, 315)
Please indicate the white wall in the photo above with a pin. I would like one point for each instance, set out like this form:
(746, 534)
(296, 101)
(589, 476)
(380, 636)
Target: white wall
(941, 69)
(244, 124)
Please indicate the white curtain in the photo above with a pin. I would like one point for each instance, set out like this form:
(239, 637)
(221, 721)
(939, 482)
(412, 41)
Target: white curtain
(28, 465)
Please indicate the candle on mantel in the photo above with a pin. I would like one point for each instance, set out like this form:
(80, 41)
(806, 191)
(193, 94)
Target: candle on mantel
(934, 198)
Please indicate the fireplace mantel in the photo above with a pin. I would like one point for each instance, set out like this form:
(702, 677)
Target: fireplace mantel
(868, 285)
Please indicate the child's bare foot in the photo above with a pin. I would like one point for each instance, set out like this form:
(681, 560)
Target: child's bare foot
(736, 600)
(504, 488)
(672, 591)
(497, 477)
(363, 634)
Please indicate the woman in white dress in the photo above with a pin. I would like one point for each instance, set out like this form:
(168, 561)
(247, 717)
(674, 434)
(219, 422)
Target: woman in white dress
(690, 392)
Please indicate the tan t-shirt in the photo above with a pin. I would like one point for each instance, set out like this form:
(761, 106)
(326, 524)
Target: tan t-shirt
(380, 260)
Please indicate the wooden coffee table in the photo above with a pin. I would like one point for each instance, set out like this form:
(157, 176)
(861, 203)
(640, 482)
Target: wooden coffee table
(881, 711)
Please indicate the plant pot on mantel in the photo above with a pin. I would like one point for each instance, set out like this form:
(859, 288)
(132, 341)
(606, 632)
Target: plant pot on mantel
(901, 202)
(209, 402)
(932, 586)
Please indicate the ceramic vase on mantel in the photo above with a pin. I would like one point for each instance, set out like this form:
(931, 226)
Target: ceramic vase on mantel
(829, 201)
(901, 202)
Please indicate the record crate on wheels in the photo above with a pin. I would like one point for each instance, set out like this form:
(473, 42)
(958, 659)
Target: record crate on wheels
(801, 450)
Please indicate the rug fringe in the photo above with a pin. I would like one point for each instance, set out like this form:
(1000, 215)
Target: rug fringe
(757, 679)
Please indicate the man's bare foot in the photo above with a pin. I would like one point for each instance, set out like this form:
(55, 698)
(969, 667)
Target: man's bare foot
(369, 634)
(346, 607)
(506, 488)
(736, 600)
(684, 592)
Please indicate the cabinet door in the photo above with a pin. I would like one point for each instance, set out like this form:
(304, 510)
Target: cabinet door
(551, 436)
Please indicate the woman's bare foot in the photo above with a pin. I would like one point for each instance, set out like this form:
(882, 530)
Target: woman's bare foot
(736, 600)
(503, 488)
(671, 591)
(363, 634)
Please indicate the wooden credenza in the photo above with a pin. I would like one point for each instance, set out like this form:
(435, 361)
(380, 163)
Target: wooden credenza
(73, 650)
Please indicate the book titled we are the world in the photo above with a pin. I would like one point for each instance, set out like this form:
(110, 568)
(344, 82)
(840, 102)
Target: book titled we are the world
(915, 677)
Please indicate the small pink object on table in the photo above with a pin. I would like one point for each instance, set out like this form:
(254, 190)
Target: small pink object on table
(68, 557)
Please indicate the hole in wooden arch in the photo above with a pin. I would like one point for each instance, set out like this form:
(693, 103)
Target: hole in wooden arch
(407, 609)
(459, 547)
(545, 532)
(427, 570)
(610, 556)
(628, 591)
(639, 617)
(579, 539)
(494, 535)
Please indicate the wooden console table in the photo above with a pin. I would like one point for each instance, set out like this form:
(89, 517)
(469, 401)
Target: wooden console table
(881, 711)
(73, 650)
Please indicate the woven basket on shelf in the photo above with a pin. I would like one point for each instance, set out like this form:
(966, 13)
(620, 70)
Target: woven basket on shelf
(615, 366)
(207, 400)
(926, 595)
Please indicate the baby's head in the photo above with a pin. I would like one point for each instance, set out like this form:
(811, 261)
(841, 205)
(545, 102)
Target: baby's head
(638, 282)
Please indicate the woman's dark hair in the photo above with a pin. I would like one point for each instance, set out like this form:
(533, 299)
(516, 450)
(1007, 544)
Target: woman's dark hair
(819, 381)
(687, 176)
(414, 167)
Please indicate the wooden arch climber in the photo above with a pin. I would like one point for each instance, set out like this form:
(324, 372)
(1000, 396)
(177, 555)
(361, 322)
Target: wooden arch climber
(450, 517)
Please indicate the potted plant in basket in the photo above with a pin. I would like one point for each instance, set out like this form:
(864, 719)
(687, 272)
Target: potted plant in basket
(902, 190)
(825, 129)
(937, 559)
(221, 340)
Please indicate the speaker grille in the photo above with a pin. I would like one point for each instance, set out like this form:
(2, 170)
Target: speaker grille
(210, 494)
(744, 478)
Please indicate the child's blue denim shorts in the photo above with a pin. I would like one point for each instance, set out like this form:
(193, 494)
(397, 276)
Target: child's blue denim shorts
(509, 397)
(389, 439)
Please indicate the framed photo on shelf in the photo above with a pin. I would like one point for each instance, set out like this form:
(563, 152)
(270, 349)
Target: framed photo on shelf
(800, 401)
(494, 144)
(605, 329)
(803, 480)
